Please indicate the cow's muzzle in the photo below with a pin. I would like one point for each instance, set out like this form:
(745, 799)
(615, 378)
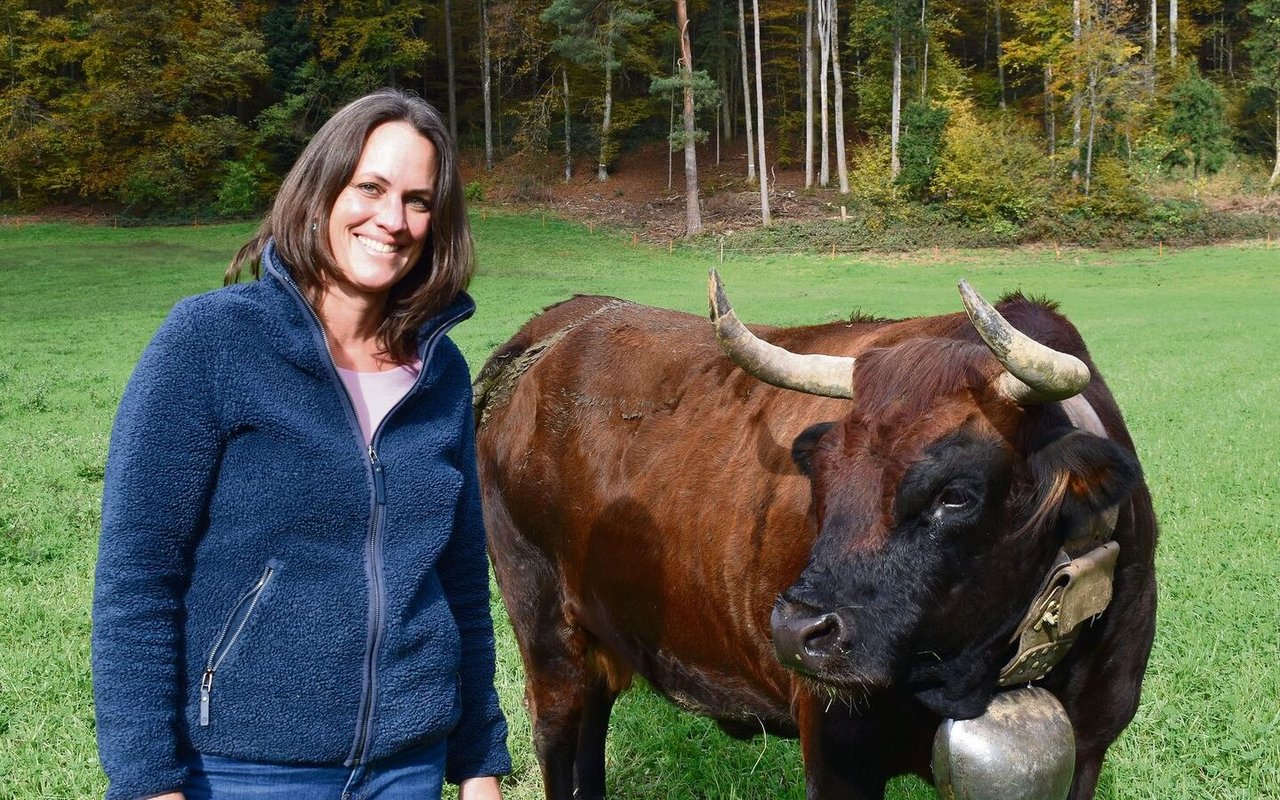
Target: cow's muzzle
(819, 644)
(806, 643)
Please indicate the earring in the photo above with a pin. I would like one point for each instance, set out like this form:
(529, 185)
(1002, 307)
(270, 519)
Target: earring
(315, 226)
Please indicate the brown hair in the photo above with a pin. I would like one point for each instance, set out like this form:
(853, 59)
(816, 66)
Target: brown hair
(299, 217)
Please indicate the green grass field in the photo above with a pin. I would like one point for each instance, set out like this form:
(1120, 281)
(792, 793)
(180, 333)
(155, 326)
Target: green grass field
(1188, 341)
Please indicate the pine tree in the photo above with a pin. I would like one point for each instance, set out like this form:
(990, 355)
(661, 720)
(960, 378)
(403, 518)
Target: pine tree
(1198, 124)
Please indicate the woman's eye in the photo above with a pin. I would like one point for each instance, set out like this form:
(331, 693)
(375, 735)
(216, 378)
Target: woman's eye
(368, 188)
(419, 204)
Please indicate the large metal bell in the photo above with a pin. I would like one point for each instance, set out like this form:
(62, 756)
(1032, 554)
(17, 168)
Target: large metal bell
(1022, 748)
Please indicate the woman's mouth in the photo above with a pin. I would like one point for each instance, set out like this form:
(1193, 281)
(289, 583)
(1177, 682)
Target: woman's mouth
(375, 246)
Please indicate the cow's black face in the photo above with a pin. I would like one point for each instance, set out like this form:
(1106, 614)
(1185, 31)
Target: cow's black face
(921, 571)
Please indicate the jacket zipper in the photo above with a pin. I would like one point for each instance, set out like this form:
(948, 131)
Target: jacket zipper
(364, 728)
(224, 643)
(364, 721)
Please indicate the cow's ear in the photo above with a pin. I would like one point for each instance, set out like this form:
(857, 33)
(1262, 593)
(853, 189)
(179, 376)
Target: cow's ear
(802, 447)
(1079, 474)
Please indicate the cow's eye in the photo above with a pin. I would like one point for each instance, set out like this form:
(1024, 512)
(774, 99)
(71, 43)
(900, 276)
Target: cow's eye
(955, 497)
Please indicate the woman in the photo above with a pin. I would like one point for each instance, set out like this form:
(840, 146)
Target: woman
(292, 592)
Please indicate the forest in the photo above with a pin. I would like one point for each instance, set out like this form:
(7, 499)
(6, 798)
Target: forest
(995, 111)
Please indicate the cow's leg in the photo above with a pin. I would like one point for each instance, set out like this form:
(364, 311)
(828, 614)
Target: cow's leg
(558, 690)
(552, 648)
(592, 732)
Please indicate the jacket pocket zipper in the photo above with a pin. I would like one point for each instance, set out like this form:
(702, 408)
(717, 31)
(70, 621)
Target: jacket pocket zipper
(231, 630)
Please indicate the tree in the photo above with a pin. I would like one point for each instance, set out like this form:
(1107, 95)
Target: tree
(449, 70)
(568, 127)
(1045, 38)
(999, 53)
(1263, 47)
(746, 94)
(842, 163)
(1198, 125)
(148, 117)
(1077, 98)
(764, 164)
(895, 124)
(809, 76)
(829, 48)
(824, 66)
(486, 83)
(1153, 39)
(693, 214)
(368, 43)
(597, 33)
(921, 147)
(1105, 56)
(989, 169)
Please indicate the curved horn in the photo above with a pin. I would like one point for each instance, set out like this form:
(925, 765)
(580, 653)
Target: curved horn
(828, 376)
(1036, 373)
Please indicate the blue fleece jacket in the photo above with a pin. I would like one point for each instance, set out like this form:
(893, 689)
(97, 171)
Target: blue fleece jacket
(270, 588)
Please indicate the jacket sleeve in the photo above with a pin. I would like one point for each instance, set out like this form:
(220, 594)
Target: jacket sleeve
(163, 454)
(478, 745)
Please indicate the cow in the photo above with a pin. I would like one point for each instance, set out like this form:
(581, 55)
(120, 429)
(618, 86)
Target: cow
(839, 532)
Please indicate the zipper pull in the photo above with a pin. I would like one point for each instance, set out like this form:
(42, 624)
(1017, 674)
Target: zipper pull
(206, 688)
(379, 483)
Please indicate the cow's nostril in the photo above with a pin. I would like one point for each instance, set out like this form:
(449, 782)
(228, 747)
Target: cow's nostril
(822, 634)
(807, 641)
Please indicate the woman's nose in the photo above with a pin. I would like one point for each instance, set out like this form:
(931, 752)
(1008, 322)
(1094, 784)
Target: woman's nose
(391, 214)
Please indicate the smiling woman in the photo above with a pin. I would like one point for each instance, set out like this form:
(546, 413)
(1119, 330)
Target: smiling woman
(292, 591)
(377, 231)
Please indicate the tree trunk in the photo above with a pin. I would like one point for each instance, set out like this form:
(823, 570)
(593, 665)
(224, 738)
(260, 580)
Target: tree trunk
(671, 126)
(1050, 115)
(809, 58)
(999, 53)
(824, 64)
(692, 212)
(448, 59)
(723, 113)
(568, 150)
(924, 59)
(1275, 173)
(1173, 33)
(842, 168)
(484, 81)
(1093, 117)
(895, 117)
(1153, 37)
(764, 164)
(602, 171)
(746, 95)
(1077, 100)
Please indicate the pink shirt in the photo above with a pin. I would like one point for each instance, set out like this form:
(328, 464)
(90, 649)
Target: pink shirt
(374, 393)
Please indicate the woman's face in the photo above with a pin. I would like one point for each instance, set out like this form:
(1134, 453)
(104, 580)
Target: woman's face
(379, 223)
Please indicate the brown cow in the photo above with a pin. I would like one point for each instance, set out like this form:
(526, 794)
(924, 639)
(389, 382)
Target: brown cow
(846, 559)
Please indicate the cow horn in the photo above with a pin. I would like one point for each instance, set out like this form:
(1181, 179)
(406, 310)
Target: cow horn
(828, 376)
(1036, 373)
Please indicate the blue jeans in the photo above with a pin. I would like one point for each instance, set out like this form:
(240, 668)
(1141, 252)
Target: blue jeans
(417, 774)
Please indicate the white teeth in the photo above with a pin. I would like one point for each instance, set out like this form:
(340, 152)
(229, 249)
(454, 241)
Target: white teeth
(375, 247)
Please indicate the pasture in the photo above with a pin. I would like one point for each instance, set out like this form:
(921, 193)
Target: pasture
(1186, 339)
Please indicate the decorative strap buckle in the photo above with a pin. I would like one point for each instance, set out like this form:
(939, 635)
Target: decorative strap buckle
(1075, 591)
